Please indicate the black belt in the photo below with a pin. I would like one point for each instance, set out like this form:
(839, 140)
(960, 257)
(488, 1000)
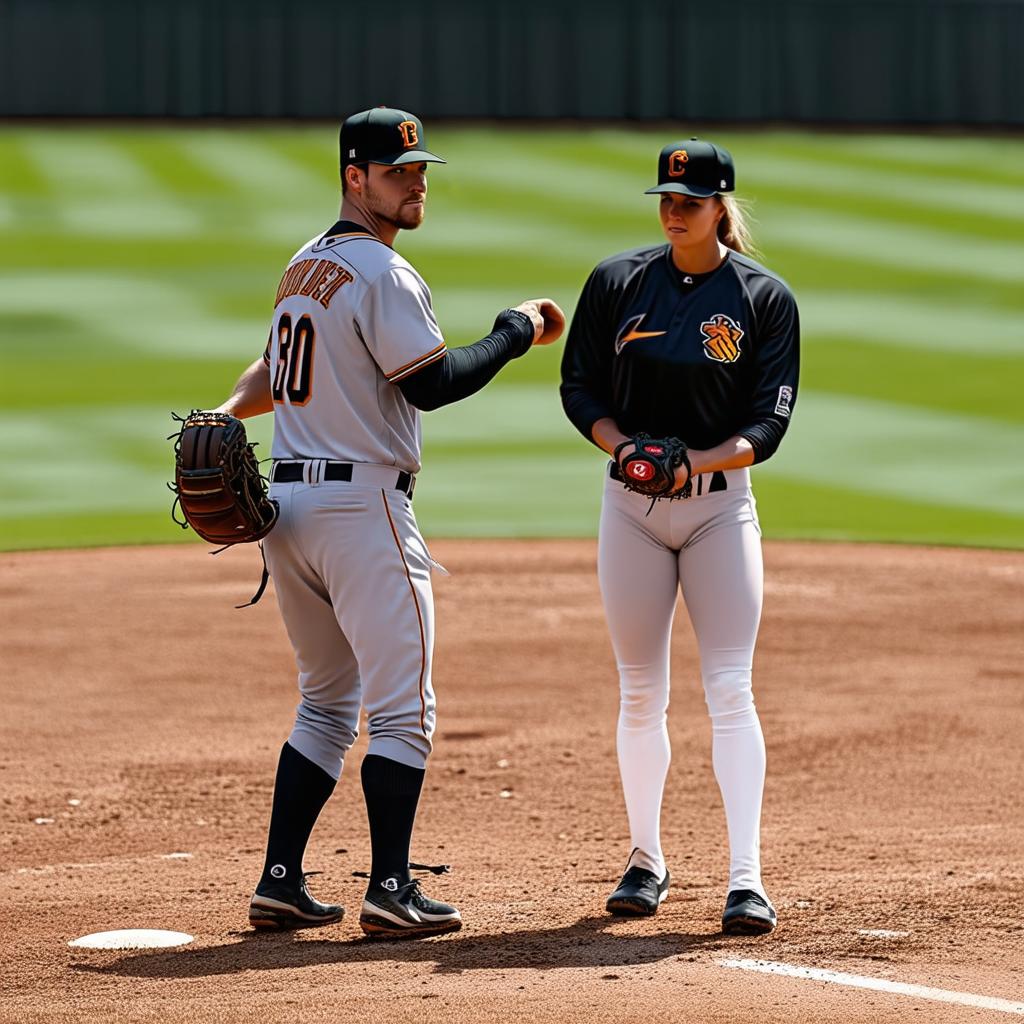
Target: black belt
(294, 472)
(718, 481)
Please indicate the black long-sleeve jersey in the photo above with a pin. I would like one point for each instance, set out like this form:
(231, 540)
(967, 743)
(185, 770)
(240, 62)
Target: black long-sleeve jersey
(702, 357)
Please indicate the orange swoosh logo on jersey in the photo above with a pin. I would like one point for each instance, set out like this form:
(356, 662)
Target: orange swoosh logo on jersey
(630, 333)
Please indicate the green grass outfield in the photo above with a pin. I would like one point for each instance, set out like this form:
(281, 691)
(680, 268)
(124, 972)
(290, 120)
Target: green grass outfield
(139, 265)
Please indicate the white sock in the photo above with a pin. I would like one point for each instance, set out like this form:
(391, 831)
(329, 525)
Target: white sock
(644, 756)
(738, 756)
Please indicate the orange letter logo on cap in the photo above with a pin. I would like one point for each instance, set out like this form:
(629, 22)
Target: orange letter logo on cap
(677, 163)
(409, 136)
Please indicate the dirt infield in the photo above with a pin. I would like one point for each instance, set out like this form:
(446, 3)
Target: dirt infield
(143, 716)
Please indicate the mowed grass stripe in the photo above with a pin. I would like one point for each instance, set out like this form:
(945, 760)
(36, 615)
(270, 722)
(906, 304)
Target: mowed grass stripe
(912, 377)
(243, 161)
(997, 160)
(950, 189)
(887, 245)
(20, 176)
(827, 269)
(106, 192)
(931, 325)
(895, 450)
(167, 158)
(118, 320)
(792, 507)
(315, 151)
(200, 257)
(86, 459)
(88, 164)
(888, 213)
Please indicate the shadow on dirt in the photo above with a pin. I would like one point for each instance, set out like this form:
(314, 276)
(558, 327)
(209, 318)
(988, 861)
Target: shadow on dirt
(591, 942)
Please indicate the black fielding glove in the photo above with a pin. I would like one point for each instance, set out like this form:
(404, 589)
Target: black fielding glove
(650, 469)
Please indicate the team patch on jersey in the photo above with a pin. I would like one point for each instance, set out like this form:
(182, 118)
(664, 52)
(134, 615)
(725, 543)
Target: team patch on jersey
(722, 338)
(630, 332)
(784, 401)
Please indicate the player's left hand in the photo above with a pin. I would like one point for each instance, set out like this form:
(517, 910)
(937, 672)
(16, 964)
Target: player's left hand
(553, 317)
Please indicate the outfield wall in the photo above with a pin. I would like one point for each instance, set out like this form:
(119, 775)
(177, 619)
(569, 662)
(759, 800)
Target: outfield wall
(905, 62)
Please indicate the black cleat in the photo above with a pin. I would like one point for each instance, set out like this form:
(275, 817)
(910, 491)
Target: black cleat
(747, 913)
(278, 905)
(393, 911)
(639, 894)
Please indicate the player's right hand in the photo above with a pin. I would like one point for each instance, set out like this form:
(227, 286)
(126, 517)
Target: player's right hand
(548, 319)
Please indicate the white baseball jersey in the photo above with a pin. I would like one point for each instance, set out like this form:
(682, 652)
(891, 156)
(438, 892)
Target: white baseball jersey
(352, 318)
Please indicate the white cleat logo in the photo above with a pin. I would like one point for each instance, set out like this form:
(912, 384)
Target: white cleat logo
(278, 871)
(391, 884)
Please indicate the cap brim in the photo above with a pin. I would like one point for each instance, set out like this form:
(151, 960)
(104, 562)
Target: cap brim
(408, 156)
(683, 190)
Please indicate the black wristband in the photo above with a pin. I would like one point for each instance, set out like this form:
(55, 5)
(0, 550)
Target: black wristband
(520, 323)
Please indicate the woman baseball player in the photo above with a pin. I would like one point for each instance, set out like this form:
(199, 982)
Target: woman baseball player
(692, 340)
(354, 353)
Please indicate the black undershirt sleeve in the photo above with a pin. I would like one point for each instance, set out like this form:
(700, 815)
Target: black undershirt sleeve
(586, 360)
(464, 371)
(778, 369)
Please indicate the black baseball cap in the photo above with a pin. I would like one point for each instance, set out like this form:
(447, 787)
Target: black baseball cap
(694, 168)
(383, 135)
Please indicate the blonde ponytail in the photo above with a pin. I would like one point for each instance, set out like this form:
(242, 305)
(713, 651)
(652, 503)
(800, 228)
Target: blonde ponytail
(732, 228)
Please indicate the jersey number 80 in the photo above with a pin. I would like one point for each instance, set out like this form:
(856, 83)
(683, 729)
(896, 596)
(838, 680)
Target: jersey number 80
(293, 376)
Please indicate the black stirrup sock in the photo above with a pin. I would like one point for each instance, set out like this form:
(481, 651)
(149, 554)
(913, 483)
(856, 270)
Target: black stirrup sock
(300, 792)
(392, 792)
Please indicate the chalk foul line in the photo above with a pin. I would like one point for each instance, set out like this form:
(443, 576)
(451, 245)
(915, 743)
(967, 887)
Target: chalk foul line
(939, 995)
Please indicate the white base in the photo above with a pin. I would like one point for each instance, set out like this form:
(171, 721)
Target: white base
(133, 938)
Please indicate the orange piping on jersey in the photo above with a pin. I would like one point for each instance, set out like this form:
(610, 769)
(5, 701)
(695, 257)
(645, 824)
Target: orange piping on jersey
(403, 371)
(328, 240)
(348, 234)
(419, 616)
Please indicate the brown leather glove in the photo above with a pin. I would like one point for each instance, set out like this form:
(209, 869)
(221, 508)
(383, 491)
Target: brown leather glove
(217, 480)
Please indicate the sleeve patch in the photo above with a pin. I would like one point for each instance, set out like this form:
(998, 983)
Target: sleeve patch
(784, 401)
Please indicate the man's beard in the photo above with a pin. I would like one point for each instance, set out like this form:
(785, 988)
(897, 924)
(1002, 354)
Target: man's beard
(405, 218)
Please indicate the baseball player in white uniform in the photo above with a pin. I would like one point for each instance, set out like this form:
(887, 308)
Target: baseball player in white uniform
(354, 353)
(690, 340)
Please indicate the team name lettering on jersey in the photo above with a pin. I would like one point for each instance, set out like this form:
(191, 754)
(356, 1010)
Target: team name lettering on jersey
(318, 279)
(721, 338)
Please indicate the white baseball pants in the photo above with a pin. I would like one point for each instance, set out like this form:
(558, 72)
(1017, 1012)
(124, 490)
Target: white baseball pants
(352, 577)
(710, 547)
